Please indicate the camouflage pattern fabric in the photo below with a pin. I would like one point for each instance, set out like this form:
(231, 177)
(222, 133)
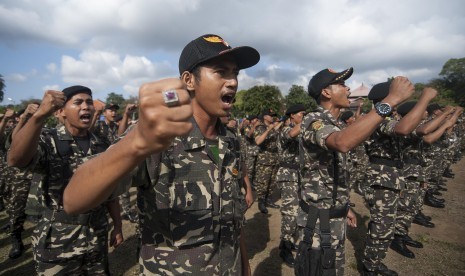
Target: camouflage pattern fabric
(414, 175)
(267, 163)
(288, 181)
(317, 179)
(382, 195)
(383, 206)
(252, 152)
(192, 208)
(65, 244)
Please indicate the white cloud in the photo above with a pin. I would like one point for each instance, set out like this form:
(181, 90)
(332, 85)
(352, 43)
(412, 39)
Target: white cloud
(16, 77)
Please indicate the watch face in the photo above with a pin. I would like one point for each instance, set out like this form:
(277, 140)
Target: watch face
(384, 108)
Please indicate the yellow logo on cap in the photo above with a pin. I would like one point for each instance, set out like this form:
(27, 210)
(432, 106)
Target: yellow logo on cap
(216, 39)
(331, 70)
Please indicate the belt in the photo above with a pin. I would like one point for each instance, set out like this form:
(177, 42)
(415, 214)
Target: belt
(334, 212)
(63, 217)
(388, 162)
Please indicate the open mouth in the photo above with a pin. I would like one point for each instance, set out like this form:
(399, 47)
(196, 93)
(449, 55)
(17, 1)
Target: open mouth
(85, 118)
(228, 98)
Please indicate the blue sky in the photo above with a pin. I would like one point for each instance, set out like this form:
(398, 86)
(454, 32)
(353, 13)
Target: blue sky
(116, 45)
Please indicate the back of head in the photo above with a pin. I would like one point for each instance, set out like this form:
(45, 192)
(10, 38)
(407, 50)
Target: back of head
(379, 91)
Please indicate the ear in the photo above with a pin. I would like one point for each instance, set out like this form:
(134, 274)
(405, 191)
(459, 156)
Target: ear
(189, 79)
(61, 112)
(326, 92)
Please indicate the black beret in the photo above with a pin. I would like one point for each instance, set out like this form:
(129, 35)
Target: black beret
(112, 105)
(379, 91)
(324, 78)
(76, 89)
(268, 111)
(405, 107)
(346, 115)
(433, 107)
(293, 109)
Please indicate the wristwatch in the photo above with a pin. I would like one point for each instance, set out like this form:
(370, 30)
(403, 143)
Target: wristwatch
(383, 109)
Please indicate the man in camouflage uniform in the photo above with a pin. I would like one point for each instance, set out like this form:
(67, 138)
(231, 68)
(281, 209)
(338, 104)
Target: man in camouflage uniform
(190, 183)
(386, 180)
(65, 244)
(287, 178)
(252, 148)
(109, 130)
(6, 125)
(19, 181)
(324, 149)
(266, 137)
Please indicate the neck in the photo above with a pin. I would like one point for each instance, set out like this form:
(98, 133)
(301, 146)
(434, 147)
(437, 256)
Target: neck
(206, 123)
(335, 111)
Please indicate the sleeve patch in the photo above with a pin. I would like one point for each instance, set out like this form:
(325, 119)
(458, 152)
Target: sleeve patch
(317, 125)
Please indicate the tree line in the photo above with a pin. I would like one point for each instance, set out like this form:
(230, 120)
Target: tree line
(450, 84)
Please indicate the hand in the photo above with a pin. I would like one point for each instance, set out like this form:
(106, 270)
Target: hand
(116, 237)
(31, 109)
(277, 125)
(51, 102)
(9, 113)
(249, 199)
(159, 124)
(130, 108)
(351, 218)
(429, 92)
(448, 109)
(400, 90)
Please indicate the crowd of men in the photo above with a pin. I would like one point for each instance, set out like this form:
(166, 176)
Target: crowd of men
(197, 171)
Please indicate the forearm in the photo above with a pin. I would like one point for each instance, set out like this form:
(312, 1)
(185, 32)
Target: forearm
(435, 135)
(410, 121)
(22, 150)
(21, 123)
(432, 125)
(95, 180)
(114, 210)
(294, 132)
(123, 125)
(261, 138)
(356, 133)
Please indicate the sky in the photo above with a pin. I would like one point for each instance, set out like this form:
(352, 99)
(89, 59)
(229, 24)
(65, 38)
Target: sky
(117, 45)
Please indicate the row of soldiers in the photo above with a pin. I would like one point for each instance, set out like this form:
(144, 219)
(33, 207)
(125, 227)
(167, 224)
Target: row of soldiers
(396, 172)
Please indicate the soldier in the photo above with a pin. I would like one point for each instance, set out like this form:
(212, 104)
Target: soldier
(5, 127)
(266, 136)
(287, 178)
(190, 186)
(19, 181)
(109, 130)
(252, 148)
(324, 191)
(385, 178)
(65, 244)
(413, 172)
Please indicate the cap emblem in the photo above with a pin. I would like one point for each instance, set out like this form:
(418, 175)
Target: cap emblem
(216, 39)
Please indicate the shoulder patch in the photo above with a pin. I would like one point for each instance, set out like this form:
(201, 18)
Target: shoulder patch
(317, 125)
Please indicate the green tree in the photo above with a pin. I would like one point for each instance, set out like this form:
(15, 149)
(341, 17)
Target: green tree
(453, 76)
(259, 97)
(115, 99)
(298, 95)
(2, 86)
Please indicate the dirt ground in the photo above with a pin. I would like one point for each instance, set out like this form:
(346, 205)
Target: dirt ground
(443, 252)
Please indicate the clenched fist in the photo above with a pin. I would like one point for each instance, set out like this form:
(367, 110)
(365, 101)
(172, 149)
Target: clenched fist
(159, 124)
(51, 102)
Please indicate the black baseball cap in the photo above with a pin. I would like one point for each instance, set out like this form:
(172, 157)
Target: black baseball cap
(326, 77)
(76, 89)
(405, 107)
(210, 46)
(293, 109)
(111, 106)
(433, 107)
(346, 115)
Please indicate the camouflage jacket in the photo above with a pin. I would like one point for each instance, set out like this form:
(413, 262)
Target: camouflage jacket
(288, 155)
(58, 167)
(322, 165)
(269, 148)
(384, 144)
(413, 157)
(252, 148)
(193, 205)
(106, 132)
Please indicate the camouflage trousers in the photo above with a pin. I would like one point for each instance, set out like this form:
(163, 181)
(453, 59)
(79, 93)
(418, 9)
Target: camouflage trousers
(338, 228)
(289, 207)
(19, 185)
(265, 180)
(251, 168)
(383, 208)
(71, 249)
(408, 206)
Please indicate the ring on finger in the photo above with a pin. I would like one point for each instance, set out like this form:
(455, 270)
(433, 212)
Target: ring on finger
(170, 97)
